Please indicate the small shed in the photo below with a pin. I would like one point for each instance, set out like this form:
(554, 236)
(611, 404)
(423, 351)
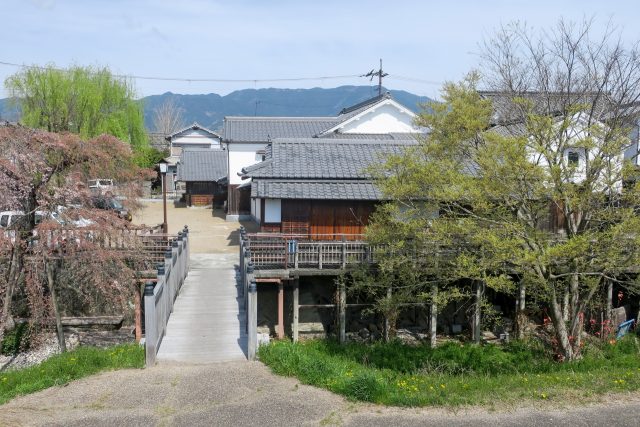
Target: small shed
(204, 171)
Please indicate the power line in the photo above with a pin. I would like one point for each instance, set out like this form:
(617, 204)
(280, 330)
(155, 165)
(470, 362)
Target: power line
(220, 80)
(190, 80)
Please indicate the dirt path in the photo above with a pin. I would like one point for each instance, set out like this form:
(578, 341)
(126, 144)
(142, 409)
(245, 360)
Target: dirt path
(209, 231)
(246, 393)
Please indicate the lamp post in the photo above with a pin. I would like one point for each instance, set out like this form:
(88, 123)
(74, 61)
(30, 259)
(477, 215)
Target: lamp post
(163, 171)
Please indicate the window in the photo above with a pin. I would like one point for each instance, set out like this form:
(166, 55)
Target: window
(573, 158)
(4, 221)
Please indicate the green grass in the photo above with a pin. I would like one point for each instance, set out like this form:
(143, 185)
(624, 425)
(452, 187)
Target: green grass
(63, 368)
(455, 374)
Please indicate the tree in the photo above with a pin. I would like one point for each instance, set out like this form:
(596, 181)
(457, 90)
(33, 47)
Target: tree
(549, 138)
(40, 172)
(168, 117)
(87, 101)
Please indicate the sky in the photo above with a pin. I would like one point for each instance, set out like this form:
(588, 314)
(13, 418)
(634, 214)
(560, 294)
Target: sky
(422, 43)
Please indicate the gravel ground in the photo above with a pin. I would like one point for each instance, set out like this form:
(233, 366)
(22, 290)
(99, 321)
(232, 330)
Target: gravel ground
(208, 229)
(247, 394)
(46, 349)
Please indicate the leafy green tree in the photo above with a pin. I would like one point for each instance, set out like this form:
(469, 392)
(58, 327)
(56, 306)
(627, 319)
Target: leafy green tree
(550, 139)
(87, 101)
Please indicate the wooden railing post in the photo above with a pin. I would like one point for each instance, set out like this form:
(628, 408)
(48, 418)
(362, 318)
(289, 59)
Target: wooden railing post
(252, 321)
(320, 255)
(344, 253)
(150, 327)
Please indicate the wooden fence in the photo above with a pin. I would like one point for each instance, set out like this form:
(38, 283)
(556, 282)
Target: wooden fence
(160, 296)
(280, 251)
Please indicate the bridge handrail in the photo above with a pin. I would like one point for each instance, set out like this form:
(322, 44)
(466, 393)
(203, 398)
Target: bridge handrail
(160, 297)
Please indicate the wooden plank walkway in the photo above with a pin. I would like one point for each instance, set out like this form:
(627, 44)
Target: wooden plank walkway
(208, 323)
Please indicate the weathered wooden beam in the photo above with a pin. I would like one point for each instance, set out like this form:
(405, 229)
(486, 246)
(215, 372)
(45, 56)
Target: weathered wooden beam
(280, 331)
(342, 318)
(296, 309)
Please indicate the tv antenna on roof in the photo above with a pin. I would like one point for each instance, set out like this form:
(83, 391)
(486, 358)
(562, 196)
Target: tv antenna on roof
(380, 74)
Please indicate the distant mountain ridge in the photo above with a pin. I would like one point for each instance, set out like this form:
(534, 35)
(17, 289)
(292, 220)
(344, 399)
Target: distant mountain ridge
(209, 109)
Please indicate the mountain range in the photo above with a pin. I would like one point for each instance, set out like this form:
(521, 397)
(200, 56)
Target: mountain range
(209, 109)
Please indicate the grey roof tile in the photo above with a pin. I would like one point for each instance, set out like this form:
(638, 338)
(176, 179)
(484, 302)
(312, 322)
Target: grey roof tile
(315, 190)
(263, 129)
(202, 165)
(318, 158)
(193, 126)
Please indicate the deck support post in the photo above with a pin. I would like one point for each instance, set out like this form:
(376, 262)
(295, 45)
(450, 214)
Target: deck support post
(252, 321)
(433, 321)
(296, 308)
(387, 325)
(342, 318)
(608, 310)
(280, 330)
(477, 312)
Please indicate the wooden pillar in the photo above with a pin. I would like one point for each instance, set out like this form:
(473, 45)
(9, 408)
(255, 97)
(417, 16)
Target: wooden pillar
(296, 308)
(387, 325)
(607, 312)
(433, 321)
(138, 311)
(342, 317)
(477, 313)
(280, 331)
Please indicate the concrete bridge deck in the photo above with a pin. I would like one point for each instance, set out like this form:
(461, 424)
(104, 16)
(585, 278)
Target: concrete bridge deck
(208, 323)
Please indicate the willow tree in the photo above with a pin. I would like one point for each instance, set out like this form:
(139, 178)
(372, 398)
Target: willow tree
(87, 101)
(530, 179)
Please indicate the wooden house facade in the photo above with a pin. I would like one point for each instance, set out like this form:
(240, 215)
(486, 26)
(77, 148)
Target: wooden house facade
(319, 188)
(204, 171)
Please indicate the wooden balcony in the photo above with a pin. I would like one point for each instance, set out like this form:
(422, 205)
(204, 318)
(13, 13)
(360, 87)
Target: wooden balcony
(271, 252)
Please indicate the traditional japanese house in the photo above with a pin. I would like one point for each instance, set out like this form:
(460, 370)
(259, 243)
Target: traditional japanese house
(247, 137)
(319, 188)
(204, 171)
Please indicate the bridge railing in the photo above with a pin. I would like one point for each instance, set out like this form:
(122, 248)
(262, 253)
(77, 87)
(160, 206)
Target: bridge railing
(159, 297)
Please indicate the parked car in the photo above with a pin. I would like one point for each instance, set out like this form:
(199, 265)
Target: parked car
(112, 204)
(105, 187)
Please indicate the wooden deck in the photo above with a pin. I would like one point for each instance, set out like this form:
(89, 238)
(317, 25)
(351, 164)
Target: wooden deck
(208, 323)
(280, 252)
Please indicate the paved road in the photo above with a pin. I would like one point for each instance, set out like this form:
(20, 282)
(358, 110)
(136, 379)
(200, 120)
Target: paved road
(247, 394)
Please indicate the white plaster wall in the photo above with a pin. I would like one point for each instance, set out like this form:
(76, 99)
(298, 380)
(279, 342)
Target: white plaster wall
(196, 137)
(577, 174)
(272, 210)
(258, 213)
(384, 119)
(241, 156)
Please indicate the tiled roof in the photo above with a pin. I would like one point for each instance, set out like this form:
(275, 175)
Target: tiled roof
(354, 110)
(317, 190)
(202, 165)
(506, 111)
(263, 129)
(372, 136)
(194, 126)
(318, 158)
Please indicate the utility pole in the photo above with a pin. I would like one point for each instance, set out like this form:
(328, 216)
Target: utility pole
(380, 74)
